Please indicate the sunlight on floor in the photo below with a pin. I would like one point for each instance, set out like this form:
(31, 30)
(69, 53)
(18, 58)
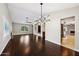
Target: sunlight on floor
(25, 39)
(68, 42)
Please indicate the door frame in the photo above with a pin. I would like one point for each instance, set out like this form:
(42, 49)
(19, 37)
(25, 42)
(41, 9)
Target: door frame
(61, 25)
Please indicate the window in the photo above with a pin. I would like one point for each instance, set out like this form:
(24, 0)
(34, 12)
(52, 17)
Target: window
(24, 28)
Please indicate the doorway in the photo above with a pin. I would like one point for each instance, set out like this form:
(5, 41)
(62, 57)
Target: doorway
(68, 32)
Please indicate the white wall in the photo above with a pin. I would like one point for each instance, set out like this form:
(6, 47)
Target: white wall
(17, 29)
(53, 28)
(4, 13)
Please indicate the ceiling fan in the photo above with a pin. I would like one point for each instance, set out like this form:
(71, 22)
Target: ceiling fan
(27, 20)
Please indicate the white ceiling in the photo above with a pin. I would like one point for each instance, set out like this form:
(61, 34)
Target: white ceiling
(19, 11)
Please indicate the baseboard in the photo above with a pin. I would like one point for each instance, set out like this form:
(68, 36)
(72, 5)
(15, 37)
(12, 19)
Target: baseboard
(64, 46)
(71, 48)
(4, 42)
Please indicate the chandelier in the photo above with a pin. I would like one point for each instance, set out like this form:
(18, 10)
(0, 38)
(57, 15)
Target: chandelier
(42, 18)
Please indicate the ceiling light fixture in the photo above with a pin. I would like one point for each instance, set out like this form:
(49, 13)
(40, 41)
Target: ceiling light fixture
(41, 12)
(42, 19)
(41, 9)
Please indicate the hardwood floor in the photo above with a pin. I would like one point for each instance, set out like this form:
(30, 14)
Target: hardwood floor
(69, 41)
(32, 45)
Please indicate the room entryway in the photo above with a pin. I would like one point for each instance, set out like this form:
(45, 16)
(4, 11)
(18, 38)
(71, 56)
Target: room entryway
(68, 32)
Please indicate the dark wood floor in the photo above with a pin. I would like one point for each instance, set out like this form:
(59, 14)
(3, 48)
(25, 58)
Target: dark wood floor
(31, 45)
